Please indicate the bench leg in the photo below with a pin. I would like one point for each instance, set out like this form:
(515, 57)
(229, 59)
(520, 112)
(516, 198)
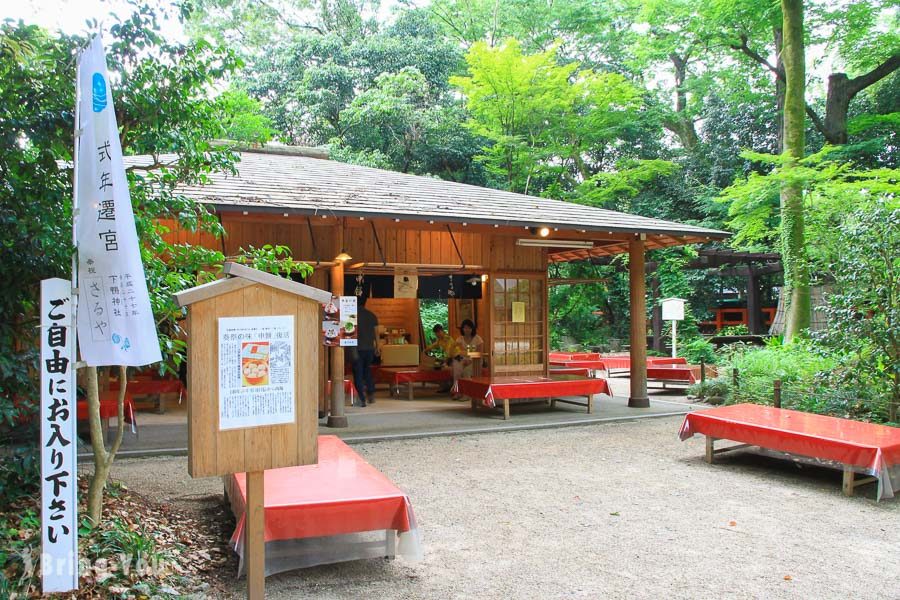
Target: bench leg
(410, 388)
(710, 448)
(390, 544)
(849, 476)
(552, 402)
(506, 409)
(590, 403)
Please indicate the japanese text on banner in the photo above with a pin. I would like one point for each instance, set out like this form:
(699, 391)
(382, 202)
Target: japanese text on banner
(115, 321)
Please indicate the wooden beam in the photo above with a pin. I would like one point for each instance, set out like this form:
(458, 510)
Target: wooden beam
(575, 281)
(638, 309)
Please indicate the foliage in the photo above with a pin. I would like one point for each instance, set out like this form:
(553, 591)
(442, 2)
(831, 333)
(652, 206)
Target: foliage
(550, 123)
(713, 391)
(731, 330)
(863, 308)
(242, 118)
(433, 312)
(20, 472)
(36, 111)
(697, 350)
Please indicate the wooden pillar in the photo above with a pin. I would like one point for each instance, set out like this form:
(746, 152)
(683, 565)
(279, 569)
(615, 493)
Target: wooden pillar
(337, 417)
(638, 308)
(255, 533)
(754, 315)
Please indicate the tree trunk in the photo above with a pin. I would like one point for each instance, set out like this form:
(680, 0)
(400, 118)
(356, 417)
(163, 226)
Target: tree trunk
(793, 242)
(681, 124)
(103, 459)
(778, 35)
(836, 106)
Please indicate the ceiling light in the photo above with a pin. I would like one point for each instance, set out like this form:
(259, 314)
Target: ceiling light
(342, 257)
(544, 231)
(554, 243)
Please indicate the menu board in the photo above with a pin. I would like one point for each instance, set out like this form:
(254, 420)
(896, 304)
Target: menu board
(256, 371)
(340, 325)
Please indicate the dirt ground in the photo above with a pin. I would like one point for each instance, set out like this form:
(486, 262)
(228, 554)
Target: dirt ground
(613, 510)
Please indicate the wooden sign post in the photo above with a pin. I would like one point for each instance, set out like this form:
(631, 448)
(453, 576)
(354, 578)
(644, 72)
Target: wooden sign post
(673, 310)
(253, 348)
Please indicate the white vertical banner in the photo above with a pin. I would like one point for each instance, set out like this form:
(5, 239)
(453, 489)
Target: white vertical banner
(115, 321)
(59, 504)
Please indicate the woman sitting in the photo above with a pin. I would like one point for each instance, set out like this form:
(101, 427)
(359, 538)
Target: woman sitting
(473, 344)
(454, 356)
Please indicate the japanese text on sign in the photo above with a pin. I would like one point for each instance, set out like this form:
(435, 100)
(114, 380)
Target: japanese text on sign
(256, 371)
(59, 531)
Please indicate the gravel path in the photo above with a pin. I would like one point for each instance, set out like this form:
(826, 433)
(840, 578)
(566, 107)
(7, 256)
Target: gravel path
(613, 510)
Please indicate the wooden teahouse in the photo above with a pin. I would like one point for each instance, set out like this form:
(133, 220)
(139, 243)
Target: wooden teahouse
(390, 222)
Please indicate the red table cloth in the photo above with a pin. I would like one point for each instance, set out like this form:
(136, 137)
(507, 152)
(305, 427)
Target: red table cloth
(671, 372)
(109, 408)
(583, 363)
(341, 495)
(873, 448)
(563, 356)
(624, 362)
(399, 375)
(579, 371)
(499, 388)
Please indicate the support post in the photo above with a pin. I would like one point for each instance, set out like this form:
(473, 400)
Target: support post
(337, 417)
(256, 536)
(702, 392)
(656, 316)
(776, 400)
(754, 322)
(638, 309)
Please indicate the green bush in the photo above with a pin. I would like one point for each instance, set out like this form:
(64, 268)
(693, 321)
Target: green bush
(720, 387)
(734, 330)
(814, 379)
(698, 349)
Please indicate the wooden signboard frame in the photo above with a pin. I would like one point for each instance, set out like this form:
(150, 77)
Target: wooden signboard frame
(213, 451)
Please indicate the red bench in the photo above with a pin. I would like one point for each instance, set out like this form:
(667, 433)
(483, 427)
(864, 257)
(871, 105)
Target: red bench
(487, 390)
(852, 446)
(397, 376)
(340, 509)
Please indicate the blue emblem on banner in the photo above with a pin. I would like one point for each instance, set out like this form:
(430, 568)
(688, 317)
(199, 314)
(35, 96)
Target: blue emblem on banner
(98, 92)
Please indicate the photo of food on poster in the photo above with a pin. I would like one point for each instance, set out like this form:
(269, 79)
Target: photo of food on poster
(339, 327)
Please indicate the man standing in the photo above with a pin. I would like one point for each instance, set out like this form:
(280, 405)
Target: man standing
(365, 353)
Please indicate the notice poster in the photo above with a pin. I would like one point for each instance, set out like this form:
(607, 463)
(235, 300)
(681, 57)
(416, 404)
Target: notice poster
(256, 371)
(339, 327)
(406, 283)
(518, 312)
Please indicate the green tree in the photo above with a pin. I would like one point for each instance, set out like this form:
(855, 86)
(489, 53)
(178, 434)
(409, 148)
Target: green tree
(793, 235)
(552, 127)
(162, 107)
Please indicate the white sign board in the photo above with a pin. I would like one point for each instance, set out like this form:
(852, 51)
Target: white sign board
(59, 506)
(256, 371)
(115, 322)
(406, 283)
(673, 309)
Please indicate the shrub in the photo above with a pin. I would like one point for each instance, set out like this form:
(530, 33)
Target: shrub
(699, 349)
